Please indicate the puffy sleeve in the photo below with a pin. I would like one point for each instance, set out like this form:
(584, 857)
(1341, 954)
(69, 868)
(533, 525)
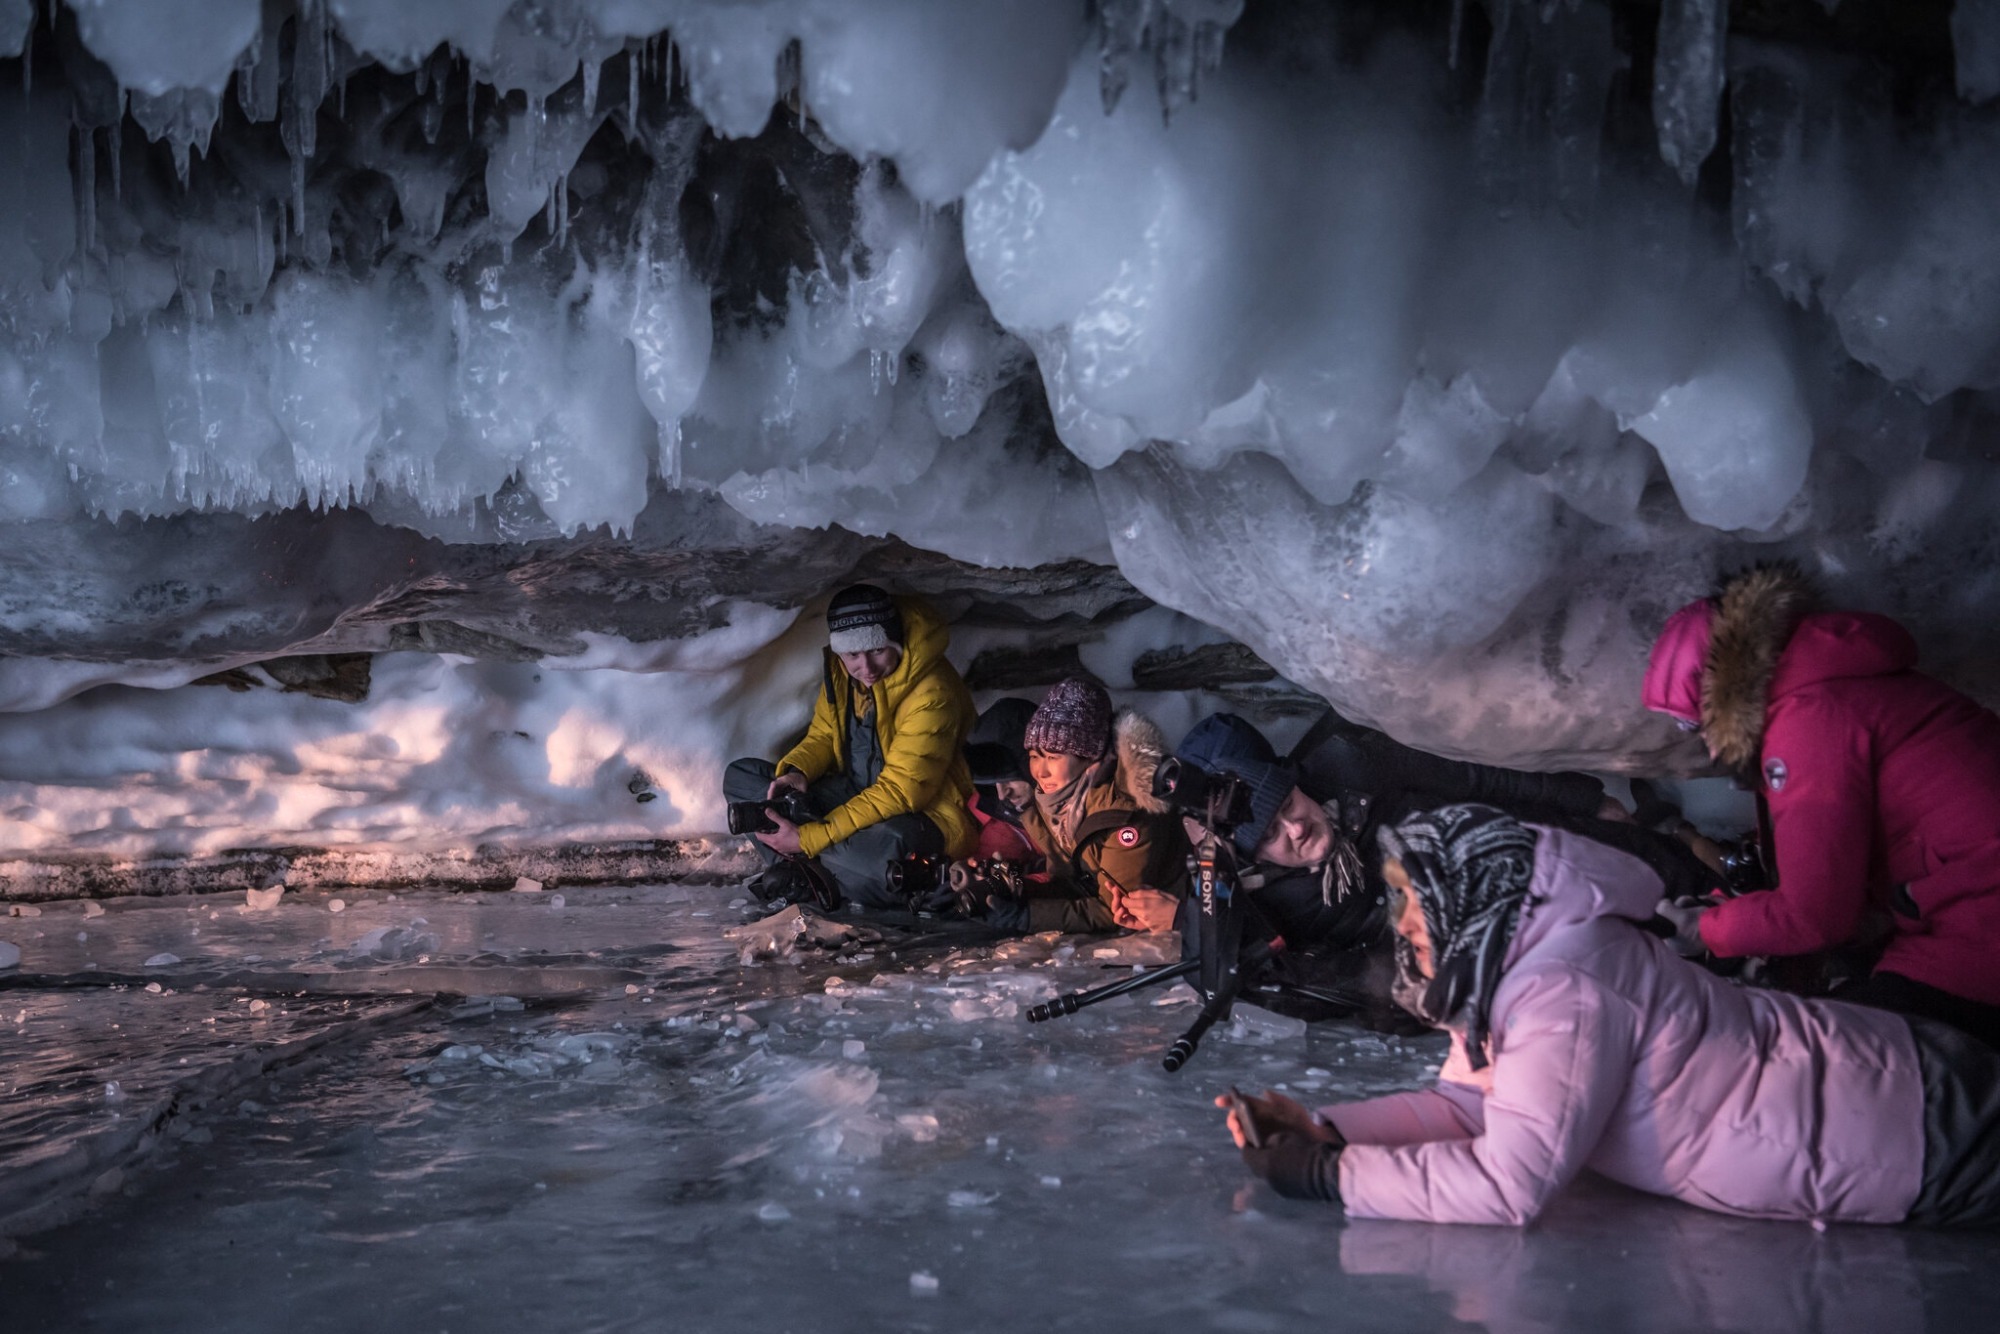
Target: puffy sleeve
(1449, 1111)
(1561, 1065)
(1822, 826)
(819, 750)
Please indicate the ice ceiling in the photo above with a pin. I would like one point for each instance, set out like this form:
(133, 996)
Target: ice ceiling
(1433, 350)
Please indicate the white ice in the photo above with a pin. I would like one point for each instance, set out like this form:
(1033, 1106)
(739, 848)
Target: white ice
(1435, 425)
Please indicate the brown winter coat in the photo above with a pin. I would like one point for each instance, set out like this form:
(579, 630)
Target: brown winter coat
(1131, 873)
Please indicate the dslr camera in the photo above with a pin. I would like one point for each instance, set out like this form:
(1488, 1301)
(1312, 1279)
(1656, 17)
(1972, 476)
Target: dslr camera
(973, 880)
(915, 878)
(754, 817)
(935, 885)
(1743, 867)
(1220, 802)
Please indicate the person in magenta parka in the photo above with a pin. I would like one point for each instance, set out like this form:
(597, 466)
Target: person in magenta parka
(1883, 788)
(1580, 1040)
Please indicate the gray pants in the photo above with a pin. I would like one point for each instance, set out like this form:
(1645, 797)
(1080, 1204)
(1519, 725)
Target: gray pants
(857, 862)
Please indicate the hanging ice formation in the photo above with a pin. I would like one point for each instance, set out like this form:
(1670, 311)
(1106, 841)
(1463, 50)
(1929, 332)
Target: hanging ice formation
(1432, 350)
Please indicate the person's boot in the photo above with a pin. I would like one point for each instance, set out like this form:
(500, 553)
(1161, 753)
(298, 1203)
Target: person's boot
(797, 880)
(777, 883)
(821, 889)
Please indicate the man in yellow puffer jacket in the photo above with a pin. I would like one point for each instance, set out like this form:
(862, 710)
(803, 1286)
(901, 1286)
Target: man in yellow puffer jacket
(881, 766)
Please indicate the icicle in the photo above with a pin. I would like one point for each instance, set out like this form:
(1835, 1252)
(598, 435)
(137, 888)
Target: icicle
(258, 73)
(471, 103)
(266, 256)
(670, 453)
(86, 189)
(246, 79)
(298, 194)
(632, 86)
(1688, 73)
(592, 72)
(115, 144)
(1457, 32)
(309, 74)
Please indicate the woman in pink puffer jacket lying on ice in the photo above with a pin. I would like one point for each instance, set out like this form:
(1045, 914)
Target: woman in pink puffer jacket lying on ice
(1580, 1040)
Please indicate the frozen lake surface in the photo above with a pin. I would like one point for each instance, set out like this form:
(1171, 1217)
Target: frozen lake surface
(219, 1119)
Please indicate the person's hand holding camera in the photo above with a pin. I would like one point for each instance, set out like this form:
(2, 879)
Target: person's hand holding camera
(791, 780)
(783, 840)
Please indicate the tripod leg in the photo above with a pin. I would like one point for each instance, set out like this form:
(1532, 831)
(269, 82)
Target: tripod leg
(1071, 1002)
(1217, 1008)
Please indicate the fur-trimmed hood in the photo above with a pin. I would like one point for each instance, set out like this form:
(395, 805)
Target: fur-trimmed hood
(1770, 639)
(1755, 615)
(1139, 746)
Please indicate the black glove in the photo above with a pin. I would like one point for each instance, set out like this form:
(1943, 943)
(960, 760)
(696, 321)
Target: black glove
(1005, 914)
(941, 901)
(1297, 1168)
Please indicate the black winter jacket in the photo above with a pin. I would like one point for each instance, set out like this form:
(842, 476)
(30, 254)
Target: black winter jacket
(1373, 780)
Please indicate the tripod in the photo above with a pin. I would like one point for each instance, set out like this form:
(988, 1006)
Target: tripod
(1220, 966)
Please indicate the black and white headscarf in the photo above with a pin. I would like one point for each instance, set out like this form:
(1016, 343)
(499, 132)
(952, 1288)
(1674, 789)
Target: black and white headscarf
(1470, 868)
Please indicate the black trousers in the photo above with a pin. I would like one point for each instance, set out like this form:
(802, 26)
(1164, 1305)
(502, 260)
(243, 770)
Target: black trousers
(1961, 1185)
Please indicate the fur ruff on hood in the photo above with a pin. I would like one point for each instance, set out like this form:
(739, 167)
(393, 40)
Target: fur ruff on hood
(1756, 614)
(1139, 746)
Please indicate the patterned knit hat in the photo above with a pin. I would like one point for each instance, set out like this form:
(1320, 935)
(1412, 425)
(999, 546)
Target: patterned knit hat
(861, 618)
(1074, 719)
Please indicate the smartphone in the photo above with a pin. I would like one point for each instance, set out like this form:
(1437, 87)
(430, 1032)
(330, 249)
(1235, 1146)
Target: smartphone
(1241, 1106)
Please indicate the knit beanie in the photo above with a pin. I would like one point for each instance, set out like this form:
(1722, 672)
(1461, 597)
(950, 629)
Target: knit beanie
(1223, 743)
(861, 618)
(1074, 719)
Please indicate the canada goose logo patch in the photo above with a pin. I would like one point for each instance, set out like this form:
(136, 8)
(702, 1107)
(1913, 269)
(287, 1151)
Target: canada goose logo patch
(1776, 775)
(1129, 836)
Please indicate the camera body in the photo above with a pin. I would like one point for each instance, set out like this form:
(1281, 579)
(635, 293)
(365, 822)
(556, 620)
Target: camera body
(1743, 868)
(754, 817)
(974, 880)
(915, 878)
(1221, 802)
